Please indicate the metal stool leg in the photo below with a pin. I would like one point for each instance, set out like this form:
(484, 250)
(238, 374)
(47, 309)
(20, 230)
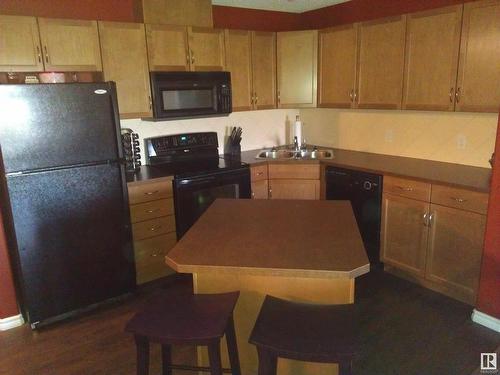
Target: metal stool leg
(214, 358)
(142, 346)
(232, 348)
(166, 359)
(268, 362)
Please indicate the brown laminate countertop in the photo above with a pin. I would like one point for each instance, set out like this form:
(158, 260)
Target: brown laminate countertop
(459, 175)
(291, 238)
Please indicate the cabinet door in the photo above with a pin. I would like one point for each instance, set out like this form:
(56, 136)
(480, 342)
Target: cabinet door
(260, 189)
(432, 42)
(479, 67)
(297, 56)
(206, 48)
(381, 63)
(455, 249)
(294, 189)
(70, 45)
(239, 63)
(125, 61)
(264, 69)
(20, 49)
(338, 48)
(167, 48)
(404, 233)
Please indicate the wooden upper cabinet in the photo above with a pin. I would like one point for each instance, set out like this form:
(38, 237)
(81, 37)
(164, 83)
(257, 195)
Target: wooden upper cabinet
(206, 47)
(432, 44)
(381, 63)
(239, 63)
(175, 12)
(70, 45)
(264, 69)
(404, 233)
(125, 61)
(478, 87)
(455, 250)
(20, 49)
(167, 48)
(338, 48)
(297, 56)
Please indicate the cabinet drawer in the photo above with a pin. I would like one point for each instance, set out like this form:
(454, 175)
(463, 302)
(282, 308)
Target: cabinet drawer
(154, 227)
(258, 172)
(459, 198)
(139, 192)
(150, 257)
(151, 210)
(297, 171)
(407, 188)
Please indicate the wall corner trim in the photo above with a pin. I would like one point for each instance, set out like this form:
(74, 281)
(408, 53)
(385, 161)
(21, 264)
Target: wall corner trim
(11, 322)
(486, 320)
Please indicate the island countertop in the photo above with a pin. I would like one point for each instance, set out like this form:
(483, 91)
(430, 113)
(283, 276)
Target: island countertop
(273, 237)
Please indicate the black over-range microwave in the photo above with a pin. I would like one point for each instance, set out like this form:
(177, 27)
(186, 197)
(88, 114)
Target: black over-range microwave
(190, 94)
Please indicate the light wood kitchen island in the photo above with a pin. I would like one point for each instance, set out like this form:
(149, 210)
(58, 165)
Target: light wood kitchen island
(308, 251)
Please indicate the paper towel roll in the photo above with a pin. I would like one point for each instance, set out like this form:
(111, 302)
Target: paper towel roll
(297, 130)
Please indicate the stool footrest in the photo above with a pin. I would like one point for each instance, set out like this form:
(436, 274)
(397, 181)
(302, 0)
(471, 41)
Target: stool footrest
(196, 368)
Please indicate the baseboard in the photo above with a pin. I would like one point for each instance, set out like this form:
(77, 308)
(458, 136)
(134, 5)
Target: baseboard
(11, 322)
(486, 320)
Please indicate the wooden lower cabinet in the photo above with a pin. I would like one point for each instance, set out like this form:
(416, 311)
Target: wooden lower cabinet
(260, 189)
(153, 226)
(455, 249)
(294, 189)
(436, 241)
(404, 233)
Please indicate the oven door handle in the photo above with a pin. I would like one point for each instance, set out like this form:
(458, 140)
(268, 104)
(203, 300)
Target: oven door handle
(195, 181)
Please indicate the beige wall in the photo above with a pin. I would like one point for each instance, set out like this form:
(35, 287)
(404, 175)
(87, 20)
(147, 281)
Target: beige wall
(424, 135)
(260, 128)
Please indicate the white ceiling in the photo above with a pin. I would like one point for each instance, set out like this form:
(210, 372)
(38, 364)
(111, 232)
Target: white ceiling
(295, 6)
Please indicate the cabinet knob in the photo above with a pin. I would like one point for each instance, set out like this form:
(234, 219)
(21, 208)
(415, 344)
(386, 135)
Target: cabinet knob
(451, 94)
(459, 200)
(405, 188)
(46, 54)
(152, 192)
(39, 54)
(457, 95)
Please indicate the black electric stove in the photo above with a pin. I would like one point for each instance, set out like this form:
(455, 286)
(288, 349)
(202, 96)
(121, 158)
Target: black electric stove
(200, 174)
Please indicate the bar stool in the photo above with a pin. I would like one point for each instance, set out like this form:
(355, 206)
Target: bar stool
(193, 319)
(304, 332)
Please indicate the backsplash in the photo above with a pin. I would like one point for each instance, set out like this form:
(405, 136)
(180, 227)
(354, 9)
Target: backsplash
(260, 128)
(462, 138)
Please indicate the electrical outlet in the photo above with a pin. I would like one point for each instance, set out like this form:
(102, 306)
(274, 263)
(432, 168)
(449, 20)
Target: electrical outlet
(389, 135)
(461, 142)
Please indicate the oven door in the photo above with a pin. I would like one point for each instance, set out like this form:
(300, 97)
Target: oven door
(195, 194)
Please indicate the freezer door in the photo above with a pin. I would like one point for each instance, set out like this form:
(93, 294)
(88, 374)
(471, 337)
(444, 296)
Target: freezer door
(50, 125)
(73, 235)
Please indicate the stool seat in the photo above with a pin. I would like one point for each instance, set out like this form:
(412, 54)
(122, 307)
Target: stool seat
(307, 332)
(184, 318)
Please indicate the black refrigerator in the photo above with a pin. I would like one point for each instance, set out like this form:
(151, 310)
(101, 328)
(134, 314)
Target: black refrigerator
(64, 197)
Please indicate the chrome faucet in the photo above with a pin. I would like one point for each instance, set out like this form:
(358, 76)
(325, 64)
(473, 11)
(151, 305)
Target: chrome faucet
(296, 145)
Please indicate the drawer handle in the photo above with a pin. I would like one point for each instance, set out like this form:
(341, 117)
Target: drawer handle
(155, 254)
(426, 219)
(260, 173)
(152, 192)
(154, 228)
(405, 188)
(151, 211)
(459, 200)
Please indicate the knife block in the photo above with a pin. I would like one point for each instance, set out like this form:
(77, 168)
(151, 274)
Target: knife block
(231, 149)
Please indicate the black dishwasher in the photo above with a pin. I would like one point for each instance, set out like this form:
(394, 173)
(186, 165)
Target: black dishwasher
(364, 190)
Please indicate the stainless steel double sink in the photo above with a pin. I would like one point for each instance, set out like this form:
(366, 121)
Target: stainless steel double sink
(290, 153)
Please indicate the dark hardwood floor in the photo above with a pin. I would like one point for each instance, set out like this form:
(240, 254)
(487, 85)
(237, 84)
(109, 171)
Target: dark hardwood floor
(405, 330)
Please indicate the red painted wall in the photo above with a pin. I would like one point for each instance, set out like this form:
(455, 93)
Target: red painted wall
(109, 10)
(8, 304)
(364, 10)
(489, 287)
(254, 19)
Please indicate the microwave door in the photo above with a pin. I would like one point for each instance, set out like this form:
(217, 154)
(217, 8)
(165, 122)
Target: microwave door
(188, 101)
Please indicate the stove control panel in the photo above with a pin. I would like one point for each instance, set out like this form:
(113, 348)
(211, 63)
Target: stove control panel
(171, 145)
